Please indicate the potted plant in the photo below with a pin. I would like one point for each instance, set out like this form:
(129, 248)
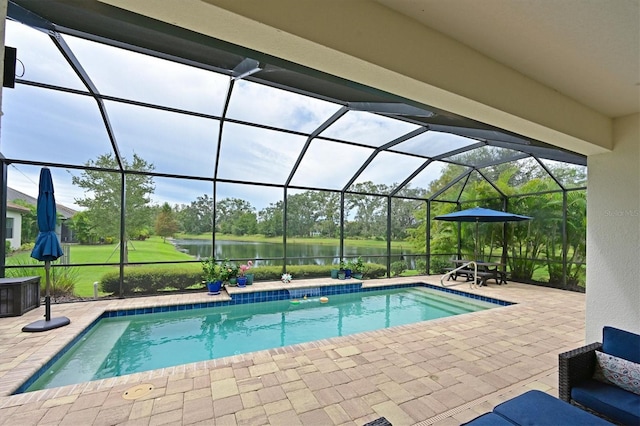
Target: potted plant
(342, 272)
(346, 266)
(244, 275)
(334, 273)
(212, 272)
(357, 267)
(229, 272)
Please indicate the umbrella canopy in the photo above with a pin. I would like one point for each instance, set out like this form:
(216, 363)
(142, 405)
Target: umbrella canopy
(479, 214)
(47, 247)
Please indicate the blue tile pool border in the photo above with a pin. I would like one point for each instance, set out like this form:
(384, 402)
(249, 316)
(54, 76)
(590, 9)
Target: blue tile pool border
(245, 298)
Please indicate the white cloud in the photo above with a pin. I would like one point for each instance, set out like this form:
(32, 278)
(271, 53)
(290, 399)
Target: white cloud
(269, 106)
(368, 129)
(121, 73)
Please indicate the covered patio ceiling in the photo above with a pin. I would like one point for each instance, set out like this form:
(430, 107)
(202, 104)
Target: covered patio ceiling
(371, 128)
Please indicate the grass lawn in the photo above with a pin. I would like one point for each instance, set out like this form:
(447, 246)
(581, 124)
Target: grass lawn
(150, 250)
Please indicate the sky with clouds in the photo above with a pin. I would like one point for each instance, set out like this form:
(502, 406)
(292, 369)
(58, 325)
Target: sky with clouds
(51, 126)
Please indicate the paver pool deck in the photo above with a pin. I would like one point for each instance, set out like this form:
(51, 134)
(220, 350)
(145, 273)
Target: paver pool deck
(444, 372)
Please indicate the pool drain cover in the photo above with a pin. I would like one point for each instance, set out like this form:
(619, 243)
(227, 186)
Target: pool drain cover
(138, 391)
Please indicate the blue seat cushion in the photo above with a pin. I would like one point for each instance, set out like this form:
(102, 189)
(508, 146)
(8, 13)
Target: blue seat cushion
(621, 343)
(489, 419)
(611, 401)
(538, 408)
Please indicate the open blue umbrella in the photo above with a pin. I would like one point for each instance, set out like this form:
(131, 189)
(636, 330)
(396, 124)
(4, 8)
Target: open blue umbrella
(47, 247)
(479, 214)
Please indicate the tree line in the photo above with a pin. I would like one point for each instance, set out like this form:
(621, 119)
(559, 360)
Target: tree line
(530, 190)
(309, 213)
(531, 245)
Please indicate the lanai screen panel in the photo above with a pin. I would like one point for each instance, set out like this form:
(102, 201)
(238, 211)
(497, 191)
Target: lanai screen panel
(52, 127)
(259, 197)
(329, 165)
(24, 178)
(428, 181)
(313, 214)
(253, 154)
(521, 176)
(387, 170)
(40, 60)
(130, 75)
(367, 128)
(365, 218)
(479, 192)
(180, 193)
(191, 205)
(569, 175)
(269, 106)
(485, 154)
(174, 143)
(432, 144)
(453, 193)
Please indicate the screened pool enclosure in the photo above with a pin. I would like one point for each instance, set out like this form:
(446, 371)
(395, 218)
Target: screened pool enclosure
(154, 132)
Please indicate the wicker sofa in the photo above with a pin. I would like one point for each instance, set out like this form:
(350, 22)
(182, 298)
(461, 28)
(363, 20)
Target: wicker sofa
(617, 400)
(536, 408)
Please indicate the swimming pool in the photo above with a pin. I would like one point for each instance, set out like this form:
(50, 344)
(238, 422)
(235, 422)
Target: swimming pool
(126, 344)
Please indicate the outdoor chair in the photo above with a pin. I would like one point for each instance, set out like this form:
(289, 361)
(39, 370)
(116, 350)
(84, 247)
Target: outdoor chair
(604, 378)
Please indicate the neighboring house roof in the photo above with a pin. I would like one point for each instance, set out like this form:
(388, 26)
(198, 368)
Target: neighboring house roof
(13, 195)
(17, 208)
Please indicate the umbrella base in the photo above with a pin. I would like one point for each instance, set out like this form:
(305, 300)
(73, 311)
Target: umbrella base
(44, 325)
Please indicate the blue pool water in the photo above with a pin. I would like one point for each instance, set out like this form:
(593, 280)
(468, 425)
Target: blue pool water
(131, 344)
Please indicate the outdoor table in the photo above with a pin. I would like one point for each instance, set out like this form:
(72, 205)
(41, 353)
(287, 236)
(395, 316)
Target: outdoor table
(486, 270)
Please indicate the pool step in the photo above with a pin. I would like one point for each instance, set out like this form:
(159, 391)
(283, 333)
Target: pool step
(451, 303)
(90, 355)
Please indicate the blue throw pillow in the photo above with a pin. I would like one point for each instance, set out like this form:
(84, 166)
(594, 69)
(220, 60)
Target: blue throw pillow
(620, 343)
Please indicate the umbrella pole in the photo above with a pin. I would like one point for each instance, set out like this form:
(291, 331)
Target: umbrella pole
(477, 242)
(47, 297)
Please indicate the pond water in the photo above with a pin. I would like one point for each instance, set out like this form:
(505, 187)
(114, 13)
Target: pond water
(315, 254)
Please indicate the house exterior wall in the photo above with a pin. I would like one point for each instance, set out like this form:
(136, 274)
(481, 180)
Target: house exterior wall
(17, 228)
(613, 233)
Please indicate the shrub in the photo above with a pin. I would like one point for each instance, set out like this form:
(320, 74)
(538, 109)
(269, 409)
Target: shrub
(398, 268)
(369, 270)
(152, 279)
(374, 270)
(63, 281)
(7, 246)
(27, 246)
(438, 263)
(63, 278)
